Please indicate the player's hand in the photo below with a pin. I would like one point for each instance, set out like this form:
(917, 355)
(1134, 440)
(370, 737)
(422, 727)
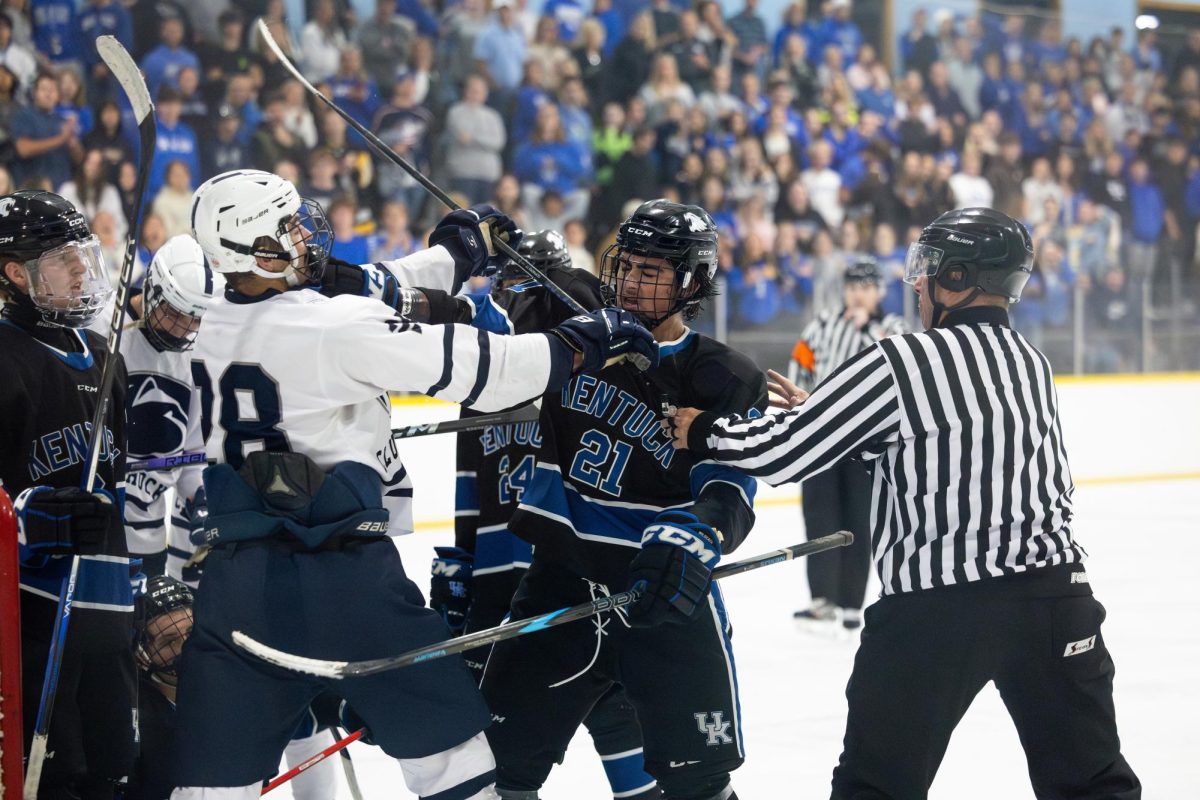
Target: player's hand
(196, 511)
(606, 336)
(678, 424)
(673, 571)
(782, 393)
(450, 586)
(468, 235)
(55, 522)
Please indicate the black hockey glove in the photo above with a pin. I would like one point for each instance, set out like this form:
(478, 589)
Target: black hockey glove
(450, 586)
(673, 571)
(468, 233)
(606, 334)
(56, 522)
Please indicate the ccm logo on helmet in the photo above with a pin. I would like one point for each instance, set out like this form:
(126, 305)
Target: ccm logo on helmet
(640, 231)
(951, 237)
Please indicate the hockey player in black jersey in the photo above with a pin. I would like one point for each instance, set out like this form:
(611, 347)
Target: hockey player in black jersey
(53, 282)
(609, 505)
(473, 583)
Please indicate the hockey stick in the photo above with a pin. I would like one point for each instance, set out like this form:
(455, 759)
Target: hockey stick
(510, 630)
(123, 68)
(637, 359)
(527, 413)
(317, 759)
(348, 768)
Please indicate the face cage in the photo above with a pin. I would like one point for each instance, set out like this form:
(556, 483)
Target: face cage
(158, 654)
(69, 284)
(922, 261)
(308, 228)
(167, 327)
(613, 284)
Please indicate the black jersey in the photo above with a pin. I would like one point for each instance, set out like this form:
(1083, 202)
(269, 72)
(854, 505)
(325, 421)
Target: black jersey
(495, 465)
(153, 777)
(606, 468)
(47, 398)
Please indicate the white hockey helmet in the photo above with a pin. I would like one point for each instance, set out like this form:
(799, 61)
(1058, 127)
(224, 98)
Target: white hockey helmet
(247, 214)
(178, 288)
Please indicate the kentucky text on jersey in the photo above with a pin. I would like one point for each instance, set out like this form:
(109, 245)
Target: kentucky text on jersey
(497, 437)
(64, 448)
(615, 406)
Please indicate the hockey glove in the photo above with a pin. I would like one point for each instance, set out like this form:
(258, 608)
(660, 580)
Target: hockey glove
(56, 522)
(673, 571)
(604, 335)
(467, 234)
(196, 510)
(450, 586)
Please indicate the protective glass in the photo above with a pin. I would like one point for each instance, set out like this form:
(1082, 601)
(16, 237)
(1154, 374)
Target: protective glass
(167, 327)
(922, 261)
(645, 285)
(69, 284)
(162, 642)
(308, 237)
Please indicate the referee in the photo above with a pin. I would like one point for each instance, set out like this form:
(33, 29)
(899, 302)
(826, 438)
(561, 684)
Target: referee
(971, 529)
(836, 500)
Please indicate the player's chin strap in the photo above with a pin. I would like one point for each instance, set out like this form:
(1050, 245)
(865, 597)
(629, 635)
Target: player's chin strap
(939, 309)
(597, 590)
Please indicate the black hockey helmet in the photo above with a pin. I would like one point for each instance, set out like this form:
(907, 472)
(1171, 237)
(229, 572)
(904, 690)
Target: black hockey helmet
(544, 249)
(864, 270)
(973, 248)
(68, 282)
(160, 632)
(684, 235)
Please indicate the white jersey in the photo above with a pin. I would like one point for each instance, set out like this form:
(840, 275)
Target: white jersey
(303, 372)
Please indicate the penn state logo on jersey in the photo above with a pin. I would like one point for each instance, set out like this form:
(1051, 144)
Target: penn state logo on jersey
(158, 414)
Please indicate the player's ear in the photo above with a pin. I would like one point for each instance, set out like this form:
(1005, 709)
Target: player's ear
(15, 272)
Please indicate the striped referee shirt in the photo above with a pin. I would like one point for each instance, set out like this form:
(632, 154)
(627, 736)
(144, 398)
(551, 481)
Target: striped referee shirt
(970, 475)
(830, 339)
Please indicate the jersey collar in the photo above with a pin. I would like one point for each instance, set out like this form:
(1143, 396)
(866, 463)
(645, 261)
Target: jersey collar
(244, 299)
(976, 315)
(81, 360)
(673, 347)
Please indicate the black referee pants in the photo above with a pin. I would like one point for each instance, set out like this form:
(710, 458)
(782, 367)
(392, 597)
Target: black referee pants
(839, 499)
(925, 655)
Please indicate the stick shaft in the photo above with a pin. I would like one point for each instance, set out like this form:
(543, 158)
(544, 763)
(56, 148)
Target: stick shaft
(314, 760)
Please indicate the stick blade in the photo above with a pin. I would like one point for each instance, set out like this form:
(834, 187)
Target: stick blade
(265, 33)
(123, 68)
(295, 663)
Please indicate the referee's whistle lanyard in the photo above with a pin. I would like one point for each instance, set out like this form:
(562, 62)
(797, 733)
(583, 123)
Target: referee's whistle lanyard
(596, 590)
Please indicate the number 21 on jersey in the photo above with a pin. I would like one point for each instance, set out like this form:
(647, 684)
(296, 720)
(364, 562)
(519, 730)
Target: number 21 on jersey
(591, 464)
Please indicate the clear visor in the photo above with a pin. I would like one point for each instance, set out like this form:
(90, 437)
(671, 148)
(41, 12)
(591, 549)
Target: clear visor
(69, 284)
(922, 261)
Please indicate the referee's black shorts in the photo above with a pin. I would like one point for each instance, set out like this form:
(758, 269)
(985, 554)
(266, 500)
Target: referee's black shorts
(926, 654)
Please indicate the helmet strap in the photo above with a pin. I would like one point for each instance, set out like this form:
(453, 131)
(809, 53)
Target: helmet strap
(939, 309)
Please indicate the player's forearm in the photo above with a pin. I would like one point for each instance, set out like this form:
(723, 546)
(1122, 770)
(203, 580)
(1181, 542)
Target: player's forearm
(432, 268)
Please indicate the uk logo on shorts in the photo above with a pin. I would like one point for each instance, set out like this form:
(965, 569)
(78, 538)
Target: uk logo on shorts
(717, 730)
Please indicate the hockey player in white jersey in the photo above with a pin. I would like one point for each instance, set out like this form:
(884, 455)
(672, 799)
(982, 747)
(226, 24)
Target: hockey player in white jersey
(310, 485)
(162, 410)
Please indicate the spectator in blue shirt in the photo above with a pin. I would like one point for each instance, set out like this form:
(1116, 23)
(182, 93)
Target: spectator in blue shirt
(46, 145)
(72, 102)
(354, 91)
(755, 291)
(101, 18)
(416, 11)
(162, 64)
(531, 96)
(1146, 54)
(348, 244)
(838, 29)
(176, 141)
(500, 52)
(573, 109)
(54, 30)
(1145, 224)
(569, 14)
(795, 21)
(548, 161)
(751, 53)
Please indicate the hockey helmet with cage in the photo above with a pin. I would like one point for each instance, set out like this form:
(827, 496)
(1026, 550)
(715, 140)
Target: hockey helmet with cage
(973, 248)
(164, 621)
(685, 235)
(543, 249)
(179, 286)
(241, 216)
(68, 281)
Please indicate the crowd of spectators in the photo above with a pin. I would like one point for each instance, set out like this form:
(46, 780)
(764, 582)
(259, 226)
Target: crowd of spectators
(805, 146)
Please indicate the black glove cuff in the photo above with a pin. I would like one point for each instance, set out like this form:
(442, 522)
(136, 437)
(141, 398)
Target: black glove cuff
(699, 431)
(562, 359)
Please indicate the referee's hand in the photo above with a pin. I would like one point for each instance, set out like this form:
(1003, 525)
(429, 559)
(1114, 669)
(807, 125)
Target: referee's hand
(677, 426)
(782, 393)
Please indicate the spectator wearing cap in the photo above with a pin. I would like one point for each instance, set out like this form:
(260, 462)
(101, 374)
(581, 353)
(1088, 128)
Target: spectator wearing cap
(54, 31)
(102, 18)
(176, 141)
(752, 43)
(321, 43)
(386, 41)
(46, 145)
(19, 61)
(161, 65)
(474, 138)
(222, 151)
(500, 54)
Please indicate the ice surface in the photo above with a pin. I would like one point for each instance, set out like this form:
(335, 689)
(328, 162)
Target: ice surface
(1144, 546)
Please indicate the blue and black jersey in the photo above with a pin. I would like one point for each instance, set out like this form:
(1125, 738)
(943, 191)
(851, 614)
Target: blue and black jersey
(606, 468)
